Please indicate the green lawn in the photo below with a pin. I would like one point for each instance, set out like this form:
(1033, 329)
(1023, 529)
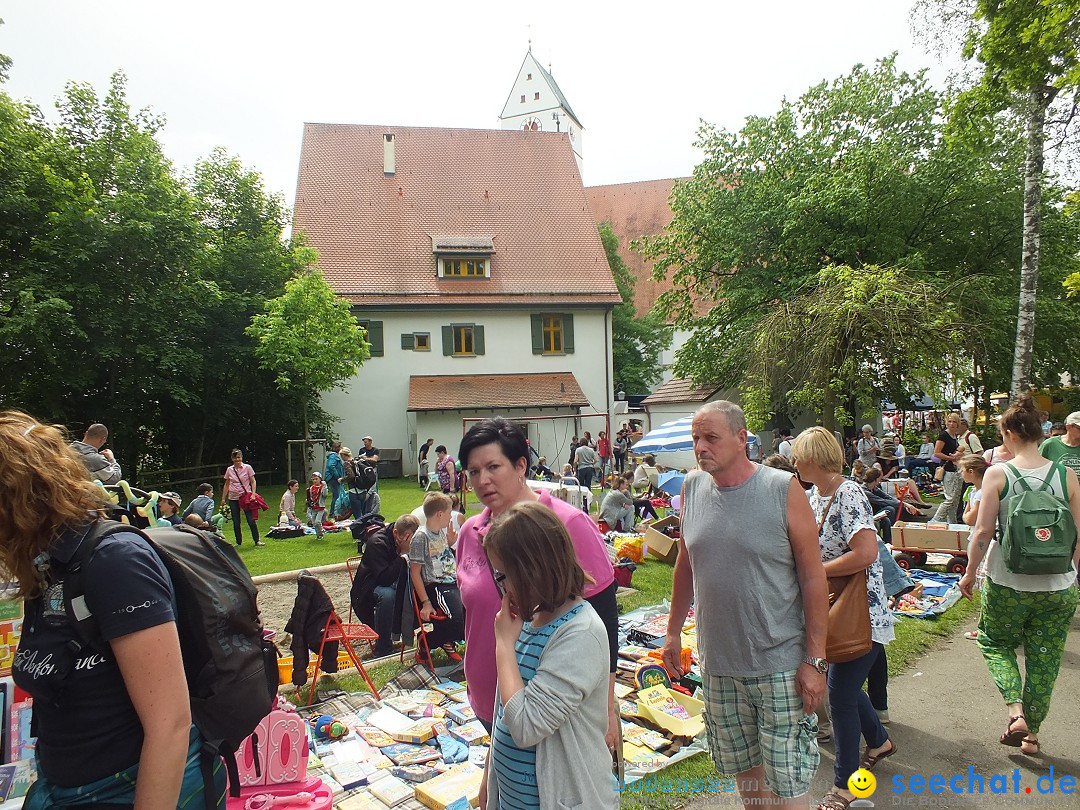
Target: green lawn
(399, 496)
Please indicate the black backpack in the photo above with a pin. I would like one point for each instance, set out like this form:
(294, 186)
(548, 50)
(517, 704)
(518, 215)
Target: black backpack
(231, 669)
(364, 528)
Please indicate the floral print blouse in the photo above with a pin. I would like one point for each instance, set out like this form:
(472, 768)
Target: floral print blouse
(851, 512)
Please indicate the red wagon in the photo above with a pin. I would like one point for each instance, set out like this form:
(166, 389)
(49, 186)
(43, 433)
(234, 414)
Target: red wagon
(913, 541)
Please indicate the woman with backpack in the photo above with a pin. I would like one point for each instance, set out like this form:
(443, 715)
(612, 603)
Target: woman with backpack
(113, 723)
(1028, 597)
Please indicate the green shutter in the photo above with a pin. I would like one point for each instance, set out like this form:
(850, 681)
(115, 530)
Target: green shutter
(568, 333)
(478, 339)
(537, 322)
(408, 342)
(375, 338)
(448, 340)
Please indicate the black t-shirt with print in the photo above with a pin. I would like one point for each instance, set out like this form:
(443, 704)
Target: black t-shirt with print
(951, 445)
(88, 729)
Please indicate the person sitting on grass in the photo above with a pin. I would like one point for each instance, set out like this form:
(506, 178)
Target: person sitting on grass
(202, 504)
(617, 510)
(287, 507)
(316, 504)
(434, 576)
(168, 507)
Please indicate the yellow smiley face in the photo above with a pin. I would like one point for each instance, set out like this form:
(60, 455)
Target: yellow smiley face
(862, 783)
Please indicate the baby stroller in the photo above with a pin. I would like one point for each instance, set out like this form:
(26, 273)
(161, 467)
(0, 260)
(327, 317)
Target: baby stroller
(126, 504)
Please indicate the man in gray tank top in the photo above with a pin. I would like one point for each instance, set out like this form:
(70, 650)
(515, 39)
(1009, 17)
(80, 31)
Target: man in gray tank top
(750, 563)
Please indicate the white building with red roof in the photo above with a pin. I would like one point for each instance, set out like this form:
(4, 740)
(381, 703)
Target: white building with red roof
(473, 258)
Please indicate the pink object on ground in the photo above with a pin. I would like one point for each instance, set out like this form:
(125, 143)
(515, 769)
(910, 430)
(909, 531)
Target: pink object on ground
(322, 798)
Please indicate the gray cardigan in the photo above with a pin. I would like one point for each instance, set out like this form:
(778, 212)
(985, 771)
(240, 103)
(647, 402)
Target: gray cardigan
(564, 712)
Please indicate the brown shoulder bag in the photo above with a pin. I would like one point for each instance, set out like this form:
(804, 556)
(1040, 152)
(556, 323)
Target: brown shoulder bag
(849, 635)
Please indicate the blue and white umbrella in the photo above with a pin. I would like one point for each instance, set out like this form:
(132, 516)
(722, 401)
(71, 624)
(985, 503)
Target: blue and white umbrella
(670, 437)
(670, 481)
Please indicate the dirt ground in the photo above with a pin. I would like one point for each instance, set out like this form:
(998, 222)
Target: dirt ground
(276, 601)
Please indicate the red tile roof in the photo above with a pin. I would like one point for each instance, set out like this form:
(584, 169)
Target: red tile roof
(443, 392)
(521, 190)
(635, 210)
(679, 389)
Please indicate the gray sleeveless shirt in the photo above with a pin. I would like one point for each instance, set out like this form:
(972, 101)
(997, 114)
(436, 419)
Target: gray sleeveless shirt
(747, 599)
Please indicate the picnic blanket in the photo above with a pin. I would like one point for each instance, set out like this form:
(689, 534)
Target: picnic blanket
(939, 593)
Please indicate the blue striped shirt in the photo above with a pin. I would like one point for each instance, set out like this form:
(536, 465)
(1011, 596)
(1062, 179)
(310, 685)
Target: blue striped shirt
(515, 768)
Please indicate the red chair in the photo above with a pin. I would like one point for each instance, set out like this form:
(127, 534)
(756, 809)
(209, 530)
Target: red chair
(345, 634)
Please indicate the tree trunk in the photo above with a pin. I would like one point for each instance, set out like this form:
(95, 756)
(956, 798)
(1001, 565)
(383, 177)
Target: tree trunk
(1038, 100)
(975, 392)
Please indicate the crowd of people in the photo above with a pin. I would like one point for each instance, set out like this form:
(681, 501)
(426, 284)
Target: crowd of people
(529, 586)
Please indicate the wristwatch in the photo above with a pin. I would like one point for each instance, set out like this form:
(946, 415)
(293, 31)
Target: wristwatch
(820, 664)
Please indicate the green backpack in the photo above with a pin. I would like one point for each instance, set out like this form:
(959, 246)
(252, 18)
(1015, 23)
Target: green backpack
(1039, 535)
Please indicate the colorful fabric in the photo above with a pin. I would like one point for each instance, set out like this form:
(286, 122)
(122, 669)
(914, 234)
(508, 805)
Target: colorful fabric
(1038, 621)
(754, 721)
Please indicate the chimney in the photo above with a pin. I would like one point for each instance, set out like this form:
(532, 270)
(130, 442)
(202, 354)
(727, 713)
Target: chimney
(389, 163)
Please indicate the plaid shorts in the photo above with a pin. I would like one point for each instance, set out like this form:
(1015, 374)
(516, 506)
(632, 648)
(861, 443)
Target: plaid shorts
(760, 721)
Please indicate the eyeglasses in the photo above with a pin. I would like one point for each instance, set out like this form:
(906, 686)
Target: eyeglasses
(500, 581)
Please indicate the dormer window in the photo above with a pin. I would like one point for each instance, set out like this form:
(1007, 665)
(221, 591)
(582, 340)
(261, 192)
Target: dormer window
(463, 268)
(462, 257)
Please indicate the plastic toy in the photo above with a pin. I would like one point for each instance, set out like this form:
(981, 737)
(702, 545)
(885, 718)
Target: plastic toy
(327, 728)
(264, 801)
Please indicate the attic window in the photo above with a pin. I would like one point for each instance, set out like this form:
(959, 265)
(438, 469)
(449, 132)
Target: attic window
(536, 97)
(528, 77)
(471, 267)
(522, 98)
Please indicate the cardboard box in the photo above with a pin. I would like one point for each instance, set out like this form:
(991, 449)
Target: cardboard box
(660, 545)
(461, 781)
(921, 538)
(650, 699)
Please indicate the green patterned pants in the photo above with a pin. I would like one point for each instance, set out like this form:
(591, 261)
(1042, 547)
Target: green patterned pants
(1038, 621)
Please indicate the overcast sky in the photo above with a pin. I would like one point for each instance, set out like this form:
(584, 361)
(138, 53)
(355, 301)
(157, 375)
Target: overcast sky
(247, 75)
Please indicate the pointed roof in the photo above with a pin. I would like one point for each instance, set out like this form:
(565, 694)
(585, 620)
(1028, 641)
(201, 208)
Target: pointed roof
(554, 85)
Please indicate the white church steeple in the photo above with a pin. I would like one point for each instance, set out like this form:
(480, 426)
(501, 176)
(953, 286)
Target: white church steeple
(536, 103)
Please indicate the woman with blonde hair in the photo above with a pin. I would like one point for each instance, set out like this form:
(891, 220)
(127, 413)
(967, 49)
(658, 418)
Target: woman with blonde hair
(114, 728)
(849, 543)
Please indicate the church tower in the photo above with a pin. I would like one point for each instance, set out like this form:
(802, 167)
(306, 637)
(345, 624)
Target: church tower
(537, 104)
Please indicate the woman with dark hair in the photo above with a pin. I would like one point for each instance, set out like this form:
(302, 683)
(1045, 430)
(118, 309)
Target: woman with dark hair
(496, 455)
(1021, 609)
(240, 478)
(115, 729)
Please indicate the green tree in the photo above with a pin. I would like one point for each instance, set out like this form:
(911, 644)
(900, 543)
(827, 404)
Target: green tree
(103, 262)
(1029, 51)
(848, 339)
(244, 262)
(855, 173)
(309, 339)
(636, 342)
